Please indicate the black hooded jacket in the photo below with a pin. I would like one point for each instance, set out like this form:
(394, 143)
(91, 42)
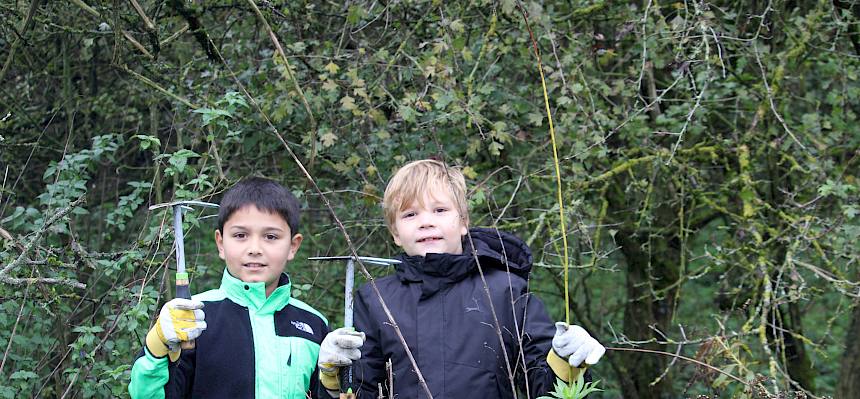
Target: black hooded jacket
(445, 312)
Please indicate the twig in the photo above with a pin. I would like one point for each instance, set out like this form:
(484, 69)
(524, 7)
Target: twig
(288, 68)
(703, 364)
(15, 326)
(25, 26)
(770, 97)
(87, 8)
(175, 35)
(4, 273)
(155, 86)
(146, 21)
(137, 45)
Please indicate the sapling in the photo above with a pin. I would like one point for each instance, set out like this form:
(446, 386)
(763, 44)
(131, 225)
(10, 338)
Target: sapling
(578, 389)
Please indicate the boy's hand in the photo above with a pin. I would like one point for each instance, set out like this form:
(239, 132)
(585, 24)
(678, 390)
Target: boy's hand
(573, 343)
(179, 320)
(339, 348)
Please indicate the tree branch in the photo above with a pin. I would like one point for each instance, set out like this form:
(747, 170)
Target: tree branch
(4, 273)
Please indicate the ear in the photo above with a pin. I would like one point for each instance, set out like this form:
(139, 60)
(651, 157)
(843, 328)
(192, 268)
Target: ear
(396, 238)
(295, 243)
(219, 241)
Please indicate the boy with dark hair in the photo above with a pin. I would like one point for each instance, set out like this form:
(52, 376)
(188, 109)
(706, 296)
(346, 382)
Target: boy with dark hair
(258, 341)
(460, 298)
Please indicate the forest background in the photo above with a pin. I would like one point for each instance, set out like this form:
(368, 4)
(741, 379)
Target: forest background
(708, 155)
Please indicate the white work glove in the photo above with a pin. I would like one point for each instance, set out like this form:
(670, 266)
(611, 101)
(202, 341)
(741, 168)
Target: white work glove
(179, 320)
(573, 343)
(339, 348)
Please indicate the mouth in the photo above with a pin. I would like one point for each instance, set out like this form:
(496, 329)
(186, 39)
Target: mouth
(429, 239)
(254, 265)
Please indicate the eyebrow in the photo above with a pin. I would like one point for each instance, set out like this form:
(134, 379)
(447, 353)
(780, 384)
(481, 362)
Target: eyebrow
(267, 228)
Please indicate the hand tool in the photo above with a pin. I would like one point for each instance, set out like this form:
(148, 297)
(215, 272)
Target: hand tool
(182, 289)
(347, 383)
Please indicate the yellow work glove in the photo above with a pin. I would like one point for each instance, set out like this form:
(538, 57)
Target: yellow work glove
(179, 320)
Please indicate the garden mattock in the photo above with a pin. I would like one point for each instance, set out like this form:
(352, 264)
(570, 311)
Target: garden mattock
(182, 290)
(347, 383)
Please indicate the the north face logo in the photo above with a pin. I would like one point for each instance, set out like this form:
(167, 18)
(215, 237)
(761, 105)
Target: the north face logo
(302, 326)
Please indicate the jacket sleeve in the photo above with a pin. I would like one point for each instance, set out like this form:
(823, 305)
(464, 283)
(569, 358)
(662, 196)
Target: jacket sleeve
(157, 377)
(316, 390)
(538, 330)
(369, 370)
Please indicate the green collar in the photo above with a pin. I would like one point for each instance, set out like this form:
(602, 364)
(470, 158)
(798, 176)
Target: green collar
(253, 295)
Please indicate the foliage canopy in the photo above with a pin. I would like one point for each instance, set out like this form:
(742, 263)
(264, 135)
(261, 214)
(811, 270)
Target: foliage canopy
(708, 154)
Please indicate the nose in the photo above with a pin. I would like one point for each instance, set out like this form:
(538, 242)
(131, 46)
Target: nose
(425, 219)
(254, 247)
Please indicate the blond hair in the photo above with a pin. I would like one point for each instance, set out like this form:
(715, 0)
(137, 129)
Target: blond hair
(412, 181)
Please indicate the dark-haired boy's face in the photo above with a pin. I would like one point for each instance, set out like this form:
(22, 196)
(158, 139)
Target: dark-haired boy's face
(256, 245)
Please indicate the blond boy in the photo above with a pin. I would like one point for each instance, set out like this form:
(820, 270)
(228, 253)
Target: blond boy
(460, 299)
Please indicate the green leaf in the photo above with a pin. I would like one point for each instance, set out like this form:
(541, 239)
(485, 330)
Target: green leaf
(535, 118)
(23, 375)
(147, 142)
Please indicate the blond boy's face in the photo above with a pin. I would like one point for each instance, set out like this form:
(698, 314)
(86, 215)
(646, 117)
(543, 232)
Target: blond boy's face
(256, 246)
(433, 225)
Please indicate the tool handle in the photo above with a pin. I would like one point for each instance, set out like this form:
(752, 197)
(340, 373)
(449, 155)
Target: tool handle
(182, 291)
(347, 388)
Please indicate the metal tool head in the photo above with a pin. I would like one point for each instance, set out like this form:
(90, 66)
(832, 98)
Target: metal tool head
(363, 259)
(350, 278)
(187, 204)
(179, 234)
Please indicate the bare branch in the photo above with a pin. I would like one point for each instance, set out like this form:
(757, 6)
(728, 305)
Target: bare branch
(4, 273)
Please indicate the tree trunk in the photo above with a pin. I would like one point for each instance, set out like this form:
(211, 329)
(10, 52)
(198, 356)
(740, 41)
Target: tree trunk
(652, 265)
(796, 357)
(849, 372)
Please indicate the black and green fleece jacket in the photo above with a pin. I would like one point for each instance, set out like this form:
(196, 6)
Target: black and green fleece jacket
(253, 347)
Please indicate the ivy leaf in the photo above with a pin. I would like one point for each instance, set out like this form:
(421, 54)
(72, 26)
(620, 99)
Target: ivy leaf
(535, 119)
(329, 85)
(356, 13)
(496, 148)
(408, 113)
(332, 68)
(328, 139)
(347, 103)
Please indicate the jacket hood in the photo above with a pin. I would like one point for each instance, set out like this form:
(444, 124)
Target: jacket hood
(492, 248)
(495, 247)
